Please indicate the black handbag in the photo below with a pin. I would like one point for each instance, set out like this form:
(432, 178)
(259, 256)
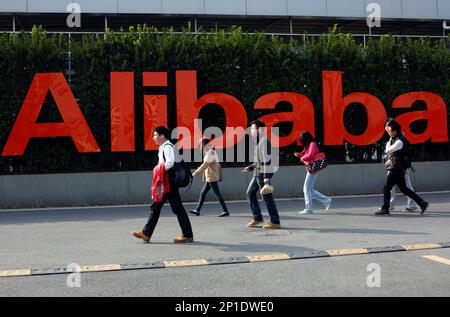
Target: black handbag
(319, 163)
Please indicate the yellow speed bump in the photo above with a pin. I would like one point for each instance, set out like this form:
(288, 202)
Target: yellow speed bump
(100, 268)
(342, 252)
(421, 246)
(269, 257)
(181, 263)
(11, 273)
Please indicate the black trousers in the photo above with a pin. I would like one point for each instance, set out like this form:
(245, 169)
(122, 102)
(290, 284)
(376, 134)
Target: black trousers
(397, 177)
(206, 188)
(176, 204)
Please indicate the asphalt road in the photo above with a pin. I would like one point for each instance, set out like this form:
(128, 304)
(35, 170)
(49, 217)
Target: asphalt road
(51, 238)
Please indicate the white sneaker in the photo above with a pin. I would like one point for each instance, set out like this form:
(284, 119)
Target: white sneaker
(306, 212)
(327, 206)
(409, 209)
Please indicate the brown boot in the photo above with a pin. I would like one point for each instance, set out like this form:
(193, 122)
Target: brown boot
(182, 239)
(141, 235)
(272, 226)
(254, 223)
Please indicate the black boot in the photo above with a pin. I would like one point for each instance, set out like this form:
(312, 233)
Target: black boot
(424, 207)
(195, 212)
(382, 212)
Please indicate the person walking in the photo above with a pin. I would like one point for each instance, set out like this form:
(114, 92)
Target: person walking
(262, 173)
(166, 166)
(411, 206)
(212, 175)
(398, 162)
(310, 150)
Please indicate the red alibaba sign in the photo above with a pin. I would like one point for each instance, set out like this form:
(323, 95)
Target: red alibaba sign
(188, 107)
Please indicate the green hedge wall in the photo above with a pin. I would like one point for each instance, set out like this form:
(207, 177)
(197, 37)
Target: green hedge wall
(243, 65)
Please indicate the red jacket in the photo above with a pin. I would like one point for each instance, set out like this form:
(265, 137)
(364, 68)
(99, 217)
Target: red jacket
(310, 154)
(160, 184)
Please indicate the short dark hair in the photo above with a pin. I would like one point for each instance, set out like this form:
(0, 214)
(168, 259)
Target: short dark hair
(161, 130)
(258, 123)
(394, 125)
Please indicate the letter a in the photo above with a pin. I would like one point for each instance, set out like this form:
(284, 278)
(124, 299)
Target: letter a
(74, 125)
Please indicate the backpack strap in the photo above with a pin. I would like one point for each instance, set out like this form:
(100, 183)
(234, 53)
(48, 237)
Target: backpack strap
(192, 179)
(164, 157)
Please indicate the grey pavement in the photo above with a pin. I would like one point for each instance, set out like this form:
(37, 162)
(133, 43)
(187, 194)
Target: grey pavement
(95, 236)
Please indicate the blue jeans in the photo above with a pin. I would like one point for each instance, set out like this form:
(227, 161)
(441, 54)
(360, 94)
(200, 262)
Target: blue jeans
(255, 185)
(310, 193)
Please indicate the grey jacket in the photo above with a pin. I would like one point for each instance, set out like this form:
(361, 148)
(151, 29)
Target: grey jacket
(262, 165)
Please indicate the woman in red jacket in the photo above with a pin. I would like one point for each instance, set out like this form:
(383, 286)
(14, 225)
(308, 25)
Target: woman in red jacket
(310, 150)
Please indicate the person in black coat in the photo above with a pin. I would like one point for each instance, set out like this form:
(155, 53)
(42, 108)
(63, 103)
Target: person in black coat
(397, 163)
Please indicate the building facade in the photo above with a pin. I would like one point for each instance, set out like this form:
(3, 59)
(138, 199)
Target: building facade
(402, 17)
